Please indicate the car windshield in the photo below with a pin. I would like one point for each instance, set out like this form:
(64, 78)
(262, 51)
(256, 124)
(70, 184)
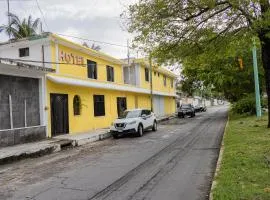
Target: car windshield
(185, 106)
(131, 114)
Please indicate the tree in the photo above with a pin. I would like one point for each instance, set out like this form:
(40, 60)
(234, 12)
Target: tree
(21, 28)
(222, 69)
(93, 46)
(179, 28)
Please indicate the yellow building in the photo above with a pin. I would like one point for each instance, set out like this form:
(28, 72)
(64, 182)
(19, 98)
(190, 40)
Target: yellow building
(90, 89)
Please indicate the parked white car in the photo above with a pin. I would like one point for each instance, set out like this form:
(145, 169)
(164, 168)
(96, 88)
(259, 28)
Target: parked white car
(134, 122)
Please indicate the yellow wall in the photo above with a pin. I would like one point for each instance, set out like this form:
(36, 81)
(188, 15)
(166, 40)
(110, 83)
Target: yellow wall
(158, 84)
(80, 71)
(170, 105)
(87, 121)
(143, 83)
(144, 101)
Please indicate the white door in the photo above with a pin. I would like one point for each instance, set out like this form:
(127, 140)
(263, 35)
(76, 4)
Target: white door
(158, 102)
(162, 106)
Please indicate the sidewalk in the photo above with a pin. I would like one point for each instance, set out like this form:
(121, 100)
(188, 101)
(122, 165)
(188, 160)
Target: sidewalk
(34, 149)
(37, 149)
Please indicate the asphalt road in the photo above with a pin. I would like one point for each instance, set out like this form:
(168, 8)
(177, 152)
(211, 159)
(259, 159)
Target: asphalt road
(176, 162)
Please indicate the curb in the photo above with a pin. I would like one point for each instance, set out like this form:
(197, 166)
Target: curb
(220, 156)
(30, 154)
(166, 118)
(93, 138)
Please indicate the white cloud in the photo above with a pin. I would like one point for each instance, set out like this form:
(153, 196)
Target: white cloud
(91, 19)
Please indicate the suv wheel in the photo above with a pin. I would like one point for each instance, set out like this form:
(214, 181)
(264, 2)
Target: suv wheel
(140, 130)
(154, 127)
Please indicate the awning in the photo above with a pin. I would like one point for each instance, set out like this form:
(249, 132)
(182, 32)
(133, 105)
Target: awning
(100, 85)
(14, 68)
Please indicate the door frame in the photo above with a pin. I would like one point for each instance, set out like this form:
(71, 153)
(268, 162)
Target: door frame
(53, 133)
(120, 98)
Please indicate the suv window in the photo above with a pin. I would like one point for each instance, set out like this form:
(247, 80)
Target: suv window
(186, 106)
(146, 112)
(131, 114)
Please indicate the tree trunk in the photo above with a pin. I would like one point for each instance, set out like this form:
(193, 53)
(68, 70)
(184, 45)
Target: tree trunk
(265, 43)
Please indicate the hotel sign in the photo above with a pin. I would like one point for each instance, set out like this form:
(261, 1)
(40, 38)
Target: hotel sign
(70, 58)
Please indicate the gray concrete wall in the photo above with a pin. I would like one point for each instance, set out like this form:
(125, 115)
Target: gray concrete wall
(21, 135)
(20, 88)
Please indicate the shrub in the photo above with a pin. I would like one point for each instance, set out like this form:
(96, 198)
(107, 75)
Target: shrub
(246, 105)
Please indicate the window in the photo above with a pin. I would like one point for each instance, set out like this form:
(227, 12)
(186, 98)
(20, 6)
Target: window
(146, 112)
(76, 105)
(92, 69)
(171, 83)
(146, 74)
(158, 74)
(110, 74)
(99, 107)
(155, 73)
(23, 52)
(164, 80)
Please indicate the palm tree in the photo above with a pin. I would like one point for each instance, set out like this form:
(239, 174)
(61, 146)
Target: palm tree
(93, 46)
(20, 29)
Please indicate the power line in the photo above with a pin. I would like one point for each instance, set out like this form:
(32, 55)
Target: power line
(42, 15)
(47, 62)
(101, 42)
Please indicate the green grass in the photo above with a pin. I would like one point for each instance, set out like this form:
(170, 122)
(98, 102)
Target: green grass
(245, 167)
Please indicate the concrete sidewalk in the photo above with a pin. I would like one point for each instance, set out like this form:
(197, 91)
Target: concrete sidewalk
(36, 149)
(87, 137)
(27, 150)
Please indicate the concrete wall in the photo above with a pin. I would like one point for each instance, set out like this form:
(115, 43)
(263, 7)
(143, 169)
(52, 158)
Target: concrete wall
(20, 89)
(21, 135)
(35, 51)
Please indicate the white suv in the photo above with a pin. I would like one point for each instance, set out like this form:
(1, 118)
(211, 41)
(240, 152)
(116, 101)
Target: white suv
(135, 122)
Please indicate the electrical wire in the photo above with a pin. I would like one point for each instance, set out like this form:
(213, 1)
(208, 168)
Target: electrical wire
(42, 15)
(101, 42)
(47, 62)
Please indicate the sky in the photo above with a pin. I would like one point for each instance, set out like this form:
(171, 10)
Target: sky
(91, 19)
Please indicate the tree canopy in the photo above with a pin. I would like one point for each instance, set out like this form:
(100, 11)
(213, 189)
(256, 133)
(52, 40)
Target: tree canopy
(182, 30)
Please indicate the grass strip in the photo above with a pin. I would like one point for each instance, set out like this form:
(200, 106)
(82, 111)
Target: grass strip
(245, 167)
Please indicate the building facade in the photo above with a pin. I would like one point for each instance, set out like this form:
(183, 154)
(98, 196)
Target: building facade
(22, 101)
(90, 89)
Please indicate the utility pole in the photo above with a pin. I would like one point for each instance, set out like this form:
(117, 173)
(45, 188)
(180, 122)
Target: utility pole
(256, 80)
(128, 51)
(151, 80)
(41, 29)
(128, 57)
(8, 19)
